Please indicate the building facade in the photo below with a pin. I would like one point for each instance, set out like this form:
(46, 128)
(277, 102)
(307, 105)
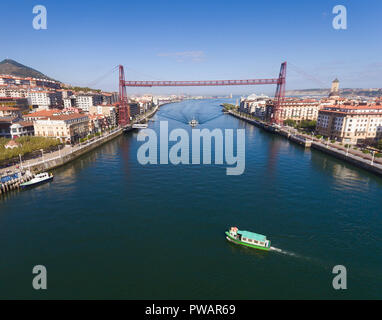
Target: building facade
(107, 111)
(255, 105)
(299, 109)
(22, 128)
(42, 99)
(69, 128)
(85, 101)
(351, 124)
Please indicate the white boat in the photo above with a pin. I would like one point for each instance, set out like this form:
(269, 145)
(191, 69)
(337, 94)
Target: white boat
(193, 122)
(38, 179)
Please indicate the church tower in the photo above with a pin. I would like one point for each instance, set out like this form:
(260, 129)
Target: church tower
(335, 88)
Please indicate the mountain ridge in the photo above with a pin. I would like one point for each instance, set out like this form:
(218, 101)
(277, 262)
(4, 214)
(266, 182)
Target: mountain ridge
(14, 68)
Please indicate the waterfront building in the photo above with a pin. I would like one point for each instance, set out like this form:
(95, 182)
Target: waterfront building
(98, 123)
(42, 114)
(109, 112)
(134, 109)
(299, 109)
(351, 124)
(22, 128)
(68, 128)
(255, 105)
(5, 126)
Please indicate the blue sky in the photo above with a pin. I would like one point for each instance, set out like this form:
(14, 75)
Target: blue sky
(197, 40)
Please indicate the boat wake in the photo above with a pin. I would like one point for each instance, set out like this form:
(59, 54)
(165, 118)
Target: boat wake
(288, 253)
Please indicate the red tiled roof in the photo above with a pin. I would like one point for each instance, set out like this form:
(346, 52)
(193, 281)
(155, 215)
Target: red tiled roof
(6, 108)
(42, 113)
(68, 116)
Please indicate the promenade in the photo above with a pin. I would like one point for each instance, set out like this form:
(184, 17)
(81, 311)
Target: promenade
(68, 153)
(336, 149)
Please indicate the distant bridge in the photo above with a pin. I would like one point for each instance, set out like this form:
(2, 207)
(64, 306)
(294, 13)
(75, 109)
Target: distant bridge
(124, 109)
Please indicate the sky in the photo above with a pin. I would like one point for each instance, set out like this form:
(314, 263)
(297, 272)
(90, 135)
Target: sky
(197, 40)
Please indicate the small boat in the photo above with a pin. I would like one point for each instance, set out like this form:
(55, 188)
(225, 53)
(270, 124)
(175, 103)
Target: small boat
(38, 179)
(249, 239)
(193, 122)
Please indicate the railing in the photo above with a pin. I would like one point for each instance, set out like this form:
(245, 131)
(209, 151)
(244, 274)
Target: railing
(72, 149)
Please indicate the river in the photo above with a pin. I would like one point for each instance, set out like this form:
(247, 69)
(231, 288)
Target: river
(109, 227)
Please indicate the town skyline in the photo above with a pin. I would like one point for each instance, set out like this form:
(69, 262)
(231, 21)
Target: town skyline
(214, 42)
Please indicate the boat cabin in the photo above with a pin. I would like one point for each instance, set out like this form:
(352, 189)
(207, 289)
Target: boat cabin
(249, 237)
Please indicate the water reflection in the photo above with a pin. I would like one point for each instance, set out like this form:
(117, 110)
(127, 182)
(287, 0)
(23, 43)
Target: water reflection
(346, 177)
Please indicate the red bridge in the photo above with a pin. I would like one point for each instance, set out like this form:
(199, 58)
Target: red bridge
(124, 109)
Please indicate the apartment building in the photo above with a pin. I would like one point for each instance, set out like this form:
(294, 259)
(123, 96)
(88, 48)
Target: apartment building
(5, 126)
(6, 111)
(351, 124)
(28, 82)
(108, 111)
(68, 128)
(87, 100)
(42, 99)
(42, 114)
(13, 92)
(22, 128)
(255, 105)
(299, 109)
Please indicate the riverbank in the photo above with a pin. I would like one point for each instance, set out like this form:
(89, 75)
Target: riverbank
(27, 170)
(356, 158)
(317, 211)
(287, 133)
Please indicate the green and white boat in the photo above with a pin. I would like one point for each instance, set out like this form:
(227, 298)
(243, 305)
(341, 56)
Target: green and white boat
(248, 239)
(38, 179)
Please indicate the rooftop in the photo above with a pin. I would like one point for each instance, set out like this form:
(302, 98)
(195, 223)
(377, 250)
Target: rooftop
(252, 235)
(42, 113)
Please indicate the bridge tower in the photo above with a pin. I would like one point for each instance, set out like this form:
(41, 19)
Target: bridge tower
(280, 93)
(124, 108)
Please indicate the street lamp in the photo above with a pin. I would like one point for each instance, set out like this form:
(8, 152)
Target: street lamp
(21, 164)
(42, 154)
(347, 151)
(372, 159)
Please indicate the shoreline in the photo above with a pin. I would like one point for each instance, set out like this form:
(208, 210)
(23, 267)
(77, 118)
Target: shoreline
(28, 171)
(358, 161)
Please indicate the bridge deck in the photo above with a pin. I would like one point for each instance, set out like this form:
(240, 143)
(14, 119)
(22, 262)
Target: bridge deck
(200, 83)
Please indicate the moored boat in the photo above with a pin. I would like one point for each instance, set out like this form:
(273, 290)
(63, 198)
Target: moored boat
(38, 179)
(247, 238)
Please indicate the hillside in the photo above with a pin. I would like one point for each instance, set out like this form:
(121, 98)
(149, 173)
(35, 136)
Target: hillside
(14, 68)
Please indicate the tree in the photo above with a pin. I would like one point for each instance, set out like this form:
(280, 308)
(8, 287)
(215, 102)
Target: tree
(290, 122)
(379, 144)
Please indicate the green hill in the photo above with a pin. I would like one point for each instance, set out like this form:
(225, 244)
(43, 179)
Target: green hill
(14, 68)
